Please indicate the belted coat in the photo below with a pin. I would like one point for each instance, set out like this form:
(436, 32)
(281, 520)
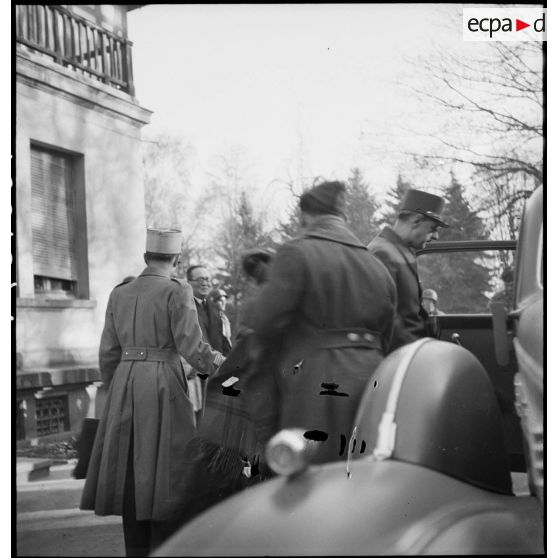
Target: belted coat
(146, 398)
(321, 284)
(401, 262)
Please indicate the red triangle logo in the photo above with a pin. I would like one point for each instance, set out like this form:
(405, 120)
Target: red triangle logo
(519, 25)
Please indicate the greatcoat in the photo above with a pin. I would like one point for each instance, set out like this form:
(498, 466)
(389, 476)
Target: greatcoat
(325, 292)
(401, 262)
(146, 398)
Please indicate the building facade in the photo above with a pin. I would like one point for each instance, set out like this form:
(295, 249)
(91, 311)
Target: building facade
(80, 217)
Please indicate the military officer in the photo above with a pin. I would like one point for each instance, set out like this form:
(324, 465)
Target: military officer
(325, 318)
(417, 224)
(137, 462)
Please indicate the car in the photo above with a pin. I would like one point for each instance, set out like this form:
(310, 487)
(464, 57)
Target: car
(435, 463)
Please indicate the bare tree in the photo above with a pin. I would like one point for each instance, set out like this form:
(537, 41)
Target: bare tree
(491, 109)
(171, 201)
(239, 226)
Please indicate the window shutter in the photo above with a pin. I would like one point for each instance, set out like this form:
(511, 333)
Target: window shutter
(52, 210)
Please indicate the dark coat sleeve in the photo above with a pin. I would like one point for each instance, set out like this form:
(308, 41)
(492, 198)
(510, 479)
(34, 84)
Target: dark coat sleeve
(401, 334)
(268, 315)
(280, 297)
(110, 350)
(187, 333)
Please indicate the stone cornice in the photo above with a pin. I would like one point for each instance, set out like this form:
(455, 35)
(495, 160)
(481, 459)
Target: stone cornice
(50, 303)
(38, 71)
(29, 379)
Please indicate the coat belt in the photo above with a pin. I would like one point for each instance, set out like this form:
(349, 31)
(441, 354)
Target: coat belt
(150, 353)
(347, 337)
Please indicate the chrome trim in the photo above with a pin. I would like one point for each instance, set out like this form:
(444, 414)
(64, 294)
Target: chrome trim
(387, 429)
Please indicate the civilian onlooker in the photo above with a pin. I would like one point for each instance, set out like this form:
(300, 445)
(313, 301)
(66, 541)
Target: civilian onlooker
(199, 279)
(226, 447)
(430, 302)
(218, 299)
(505, 295)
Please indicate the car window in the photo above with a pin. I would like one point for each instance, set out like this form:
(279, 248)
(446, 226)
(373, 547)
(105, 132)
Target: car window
(466, 282)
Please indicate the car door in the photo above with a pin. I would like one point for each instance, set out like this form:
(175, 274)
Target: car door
(467, 276)
(528, 337)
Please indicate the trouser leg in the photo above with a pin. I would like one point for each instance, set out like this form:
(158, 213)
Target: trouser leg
(137, 534)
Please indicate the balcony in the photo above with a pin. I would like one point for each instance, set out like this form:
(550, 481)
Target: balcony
(76, 43)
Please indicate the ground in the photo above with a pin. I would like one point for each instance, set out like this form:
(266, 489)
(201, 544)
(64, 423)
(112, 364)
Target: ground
(50, 523)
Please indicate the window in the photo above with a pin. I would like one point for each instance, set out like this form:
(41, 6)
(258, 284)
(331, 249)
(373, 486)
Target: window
(467, 281)
(21, 409)
(58, 225)
(52, 415)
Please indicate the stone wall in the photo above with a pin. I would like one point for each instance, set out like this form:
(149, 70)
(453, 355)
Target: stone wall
(57, 340)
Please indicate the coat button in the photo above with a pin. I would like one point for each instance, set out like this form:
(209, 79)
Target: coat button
(352, 336)
(368, 337)
(126, 353)
(141, 353)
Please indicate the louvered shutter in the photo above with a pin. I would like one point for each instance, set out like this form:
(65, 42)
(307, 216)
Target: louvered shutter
(52, 211)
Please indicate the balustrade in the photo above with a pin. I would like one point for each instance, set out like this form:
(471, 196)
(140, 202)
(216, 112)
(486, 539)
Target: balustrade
(76, 43)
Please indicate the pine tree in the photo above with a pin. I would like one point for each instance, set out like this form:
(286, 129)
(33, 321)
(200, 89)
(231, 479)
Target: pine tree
(242, 231)
(394, 197)
(290, 228)
(362, 208)
(460, 278)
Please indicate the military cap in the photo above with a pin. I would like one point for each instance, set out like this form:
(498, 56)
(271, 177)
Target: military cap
(430, 294)
(325, 198)
(424, 203)
(163, 241)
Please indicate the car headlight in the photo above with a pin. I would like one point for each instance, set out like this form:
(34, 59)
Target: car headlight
(288, 452)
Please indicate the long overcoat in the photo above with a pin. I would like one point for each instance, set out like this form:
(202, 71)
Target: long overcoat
(401, 262)
(147, 399)
(320, 283)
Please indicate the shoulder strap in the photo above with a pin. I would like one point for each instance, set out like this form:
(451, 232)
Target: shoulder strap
(125, 282)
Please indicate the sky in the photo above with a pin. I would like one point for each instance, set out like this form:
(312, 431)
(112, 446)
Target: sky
(301, 90)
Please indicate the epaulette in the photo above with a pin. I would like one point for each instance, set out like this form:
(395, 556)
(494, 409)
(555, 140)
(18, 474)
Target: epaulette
(125, 282)
(181, 282)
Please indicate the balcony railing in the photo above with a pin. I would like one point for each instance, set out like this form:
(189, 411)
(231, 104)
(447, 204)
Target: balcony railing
(76, 43)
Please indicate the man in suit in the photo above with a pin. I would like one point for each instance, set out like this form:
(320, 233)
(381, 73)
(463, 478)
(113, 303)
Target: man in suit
(417, 224)
(212, 330)
(199, 279)
(325, 318)
(141, 447)
(208, 313)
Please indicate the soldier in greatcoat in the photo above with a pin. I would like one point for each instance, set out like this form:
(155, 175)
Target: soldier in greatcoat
(417, 224)
(326, 317)
(139, 454)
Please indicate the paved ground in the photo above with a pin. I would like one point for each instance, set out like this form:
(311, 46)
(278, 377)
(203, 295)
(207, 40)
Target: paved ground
(49, 522)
